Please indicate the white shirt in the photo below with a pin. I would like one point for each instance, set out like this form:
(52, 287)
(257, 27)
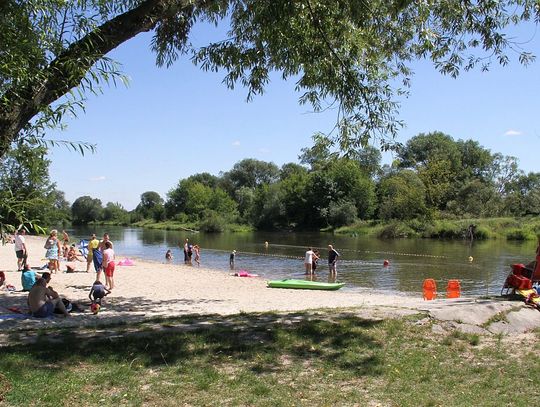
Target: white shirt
(309, 257)
(19, 242)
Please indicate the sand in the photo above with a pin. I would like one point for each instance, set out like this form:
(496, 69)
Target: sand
(150, 289)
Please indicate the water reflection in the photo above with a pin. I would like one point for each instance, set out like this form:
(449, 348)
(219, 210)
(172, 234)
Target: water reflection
(361, 262)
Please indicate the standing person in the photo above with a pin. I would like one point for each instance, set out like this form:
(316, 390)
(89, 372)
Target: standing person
(197, 251)
(93, 244)
(231, 259)
(53, 251)
(186, 248)
(98, 255)
(20, 249)
(309, 259)
(332, 259)
(315, 261)
(108, 264)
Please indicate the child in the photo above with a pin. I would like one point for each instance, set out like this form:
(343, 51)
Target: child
(108, 264)
(97, 292)
(29, 277)
(197, 251)
(168, 256)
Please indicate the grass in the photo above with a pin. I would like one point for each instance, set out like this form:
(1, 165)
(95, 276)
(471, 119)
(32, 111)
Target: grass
(268, 360)
(489, 228)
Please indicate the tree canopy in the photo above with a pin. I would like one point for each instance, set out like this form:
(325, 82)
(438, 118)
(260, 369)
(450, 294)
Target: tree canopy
(353, 55)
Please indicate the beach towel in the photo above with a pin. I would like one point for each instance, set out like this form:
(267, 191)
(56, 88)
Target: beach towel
(98, 259)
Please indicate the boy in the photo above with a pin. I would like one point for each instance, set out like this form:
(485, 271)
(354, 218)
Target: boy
(97, 292)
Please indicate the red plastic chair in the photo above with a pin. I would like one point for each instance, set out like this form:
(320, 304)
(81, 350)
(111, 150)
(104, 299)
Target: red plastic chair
(453, 289)
(430, 289)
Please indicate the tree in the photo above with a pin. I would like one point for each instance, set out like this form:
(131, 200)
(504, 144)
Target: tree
(402, 195)
(350, 53)
(150, 200)
(115, 212)
(251, 173)
(86, 209)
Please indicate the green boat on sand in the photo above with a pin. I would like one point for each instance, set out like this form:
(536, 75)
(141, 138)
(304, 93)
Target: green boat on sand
(304, 284)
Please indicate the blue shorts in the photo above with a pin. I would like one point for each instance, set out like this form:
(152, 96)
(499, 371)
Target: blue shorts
(46, 310)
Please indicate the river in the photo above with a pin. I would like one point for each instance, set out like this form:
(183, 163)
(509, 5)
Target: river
(360, 265)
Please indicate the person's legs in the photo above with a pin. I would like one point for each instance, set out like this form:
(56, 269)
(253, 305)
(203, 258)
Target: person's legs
(59, 304)
(308, 268)
(46, 310)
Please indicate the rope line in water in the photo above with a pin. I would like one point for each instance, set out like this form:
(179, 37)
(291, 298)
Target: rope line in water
(433, 256)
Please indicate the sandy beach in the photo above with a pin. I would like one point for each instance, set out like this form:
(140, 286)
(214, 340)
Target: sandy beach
(150, 289)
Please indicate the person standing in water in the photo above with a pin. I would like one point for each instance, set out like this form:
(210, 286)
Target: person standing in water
(231, 259)
(309, 259)
(332, 259)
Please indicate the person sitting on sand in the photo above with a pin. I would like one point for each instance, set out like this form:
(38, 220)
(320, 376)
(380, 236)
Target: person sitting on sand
(29, 278)
(43, 300)
(97, 292)
(72, 254)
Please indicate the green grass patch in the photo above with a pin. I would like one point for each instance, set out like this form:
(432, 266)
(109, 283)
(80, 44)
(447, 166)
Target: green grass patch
(266, 360)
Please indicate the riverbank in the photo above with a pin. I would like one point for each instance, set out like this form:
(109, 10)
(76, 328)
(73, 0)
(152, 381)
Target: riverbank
(150, 289)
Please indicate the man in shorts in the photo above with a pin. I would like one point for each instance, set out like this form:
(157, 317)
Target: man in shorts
(20, 249)
(43, 300)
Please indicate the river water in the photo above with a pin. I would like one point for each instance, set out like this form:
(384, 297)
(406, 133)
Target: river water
(360, 265)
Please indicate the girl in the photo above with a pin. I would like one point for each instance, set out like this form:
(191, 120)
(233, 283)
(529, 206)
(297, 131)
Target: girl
(53, 251)
(197, 251)
(108, 265)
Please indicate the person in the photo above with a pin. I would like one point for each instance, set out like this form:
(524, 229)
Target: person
(28, 277)
(190, 254)
(43, 300)
(2, 279)
(316, 258)
(65, 250)
(93, 244)
(308, 261)
(186, 247)
(72, 254)
(53, 251)
(97, 292)
(197, 251)
(98, 255)
(65, 238)
(332, 259)
(20, 249)
(108, 264)
(168, 255)
(231, 259)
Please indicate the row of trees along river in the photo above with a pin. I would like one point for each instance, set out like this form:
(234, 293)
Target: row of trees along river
(433, 181)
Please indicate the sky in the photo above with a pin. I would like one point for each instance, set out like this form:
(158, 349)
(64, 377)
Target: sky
(170, 123)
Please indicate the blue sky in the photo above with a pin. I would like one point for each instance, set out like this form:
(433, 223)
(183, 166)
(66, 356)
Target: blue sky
(172, 123)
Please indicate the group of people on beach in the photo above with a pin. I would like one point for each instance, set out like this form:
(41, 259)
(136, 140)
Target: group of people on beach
(192, 252)
(42, 299)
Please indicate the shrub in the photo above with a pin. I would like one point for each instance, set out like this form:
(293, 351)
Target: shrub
(520, 234)
(212, 222)
(397, 229)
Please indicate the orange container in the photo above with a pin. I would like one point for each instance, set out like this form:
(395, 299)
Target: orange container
(453, 289)
(430, 289)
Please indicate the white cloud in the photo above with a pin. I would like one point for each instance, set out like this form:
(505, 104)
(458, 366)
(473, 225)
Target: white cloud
(513, 133)
(236, 143)
(98, 179)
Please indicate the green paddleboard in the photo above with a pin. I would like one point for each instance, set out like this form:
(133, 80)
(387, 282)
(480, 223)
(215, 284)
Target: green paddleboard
(304, 284)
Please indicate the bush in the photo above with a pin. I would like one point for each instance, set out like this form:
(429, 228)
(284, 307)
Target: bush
(396, 229)
(341, 213)
(520, 234)
(212, 222)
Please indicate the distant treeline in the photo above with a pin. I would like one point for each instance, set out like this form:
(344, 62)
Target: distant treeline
(433, 177)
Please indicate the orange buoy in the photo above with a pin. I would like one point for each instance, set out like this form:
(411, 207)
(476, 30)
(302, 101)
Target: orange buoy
(453, 289)
(430, 289)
